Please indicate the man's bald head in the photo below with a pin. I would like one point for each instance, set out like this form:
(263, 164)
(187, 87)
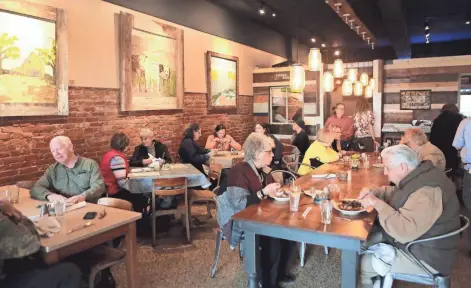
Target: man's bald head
(61, 148)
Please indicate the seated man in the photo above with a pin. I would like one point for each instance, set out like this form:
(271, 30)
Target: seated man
(19, 242)
(422, 205)
(73, 177)
(417, 140)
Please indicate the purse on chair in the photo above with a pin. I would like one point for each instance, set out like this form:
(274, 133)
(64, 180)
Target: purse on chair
(315, 162)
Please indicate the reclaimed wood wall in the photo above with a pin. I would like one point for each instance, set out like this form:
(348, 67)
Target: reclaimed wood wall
(439, 74)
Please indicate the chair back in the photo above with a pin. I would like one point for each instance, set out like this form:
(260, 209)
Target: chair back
(215, 195)
(236, 161)
(27, 184)
(290, 149)
(171, 186)
(115, 203)
(214, 173)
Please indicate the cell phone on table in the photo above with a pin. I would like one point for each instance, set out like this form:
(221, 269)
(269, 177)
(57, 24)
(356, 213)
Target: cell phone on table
(89, 215)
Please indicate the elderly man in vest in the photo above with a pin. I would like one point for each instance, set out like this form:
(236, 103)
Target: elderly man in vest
(422, 205)
(72, 178)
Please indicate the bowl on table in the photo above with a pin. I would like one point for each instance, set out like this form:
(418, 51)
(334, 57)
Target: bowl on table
(350, 207)
(282, 196)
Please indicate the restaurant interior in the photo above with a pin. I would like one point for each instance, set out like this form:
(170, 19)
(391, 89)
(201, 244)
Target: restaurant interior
(235, 143)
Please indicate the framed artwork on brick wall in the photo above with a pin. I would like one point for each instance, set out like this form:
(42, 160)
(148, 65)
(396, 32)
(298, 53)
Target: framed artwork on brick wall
(223, 82)
(33, 59)
(151, 60)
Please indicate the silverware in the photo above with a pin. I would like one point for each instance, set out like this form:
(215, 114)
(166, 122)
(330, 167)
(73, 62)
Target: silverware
(340, 218)
(306, 212)
(86, 225)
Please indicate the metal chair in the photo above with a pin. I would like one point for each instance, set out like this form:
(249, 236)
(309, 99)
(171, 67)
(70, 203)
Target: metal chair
(430, 278)
(292, 164)
(214, 174)
(219, 238)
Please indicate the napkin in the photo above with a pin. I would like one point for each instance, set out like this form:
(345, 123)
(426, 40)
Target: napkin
(47, 226)
(324, 176)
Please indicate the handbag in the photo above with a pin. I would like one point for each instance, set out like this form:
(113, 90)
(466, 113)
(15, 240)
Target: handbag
(315, 162)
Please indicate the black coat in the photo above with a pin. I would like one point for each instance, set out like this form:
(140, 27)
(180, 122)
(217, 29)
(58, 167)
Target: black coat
(277, 153)
(301, 140)
(140, 153)
(442, 134)
(190, 152)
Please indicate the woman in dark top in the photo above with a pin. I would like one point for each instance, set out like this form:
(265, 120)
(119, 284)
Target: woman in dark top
(300, 138)
(141, 157)
(190, 152)
(249, 182)
(443, 132)
(277, 146)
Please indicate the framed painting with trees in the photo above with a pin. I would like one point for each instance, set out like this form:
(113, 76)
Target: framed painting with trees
(223, 82)
(33, 59)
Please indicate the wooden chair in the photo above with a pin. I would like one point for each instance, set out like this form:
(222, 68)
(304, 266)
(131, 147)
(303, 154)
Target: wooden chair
(103, 257)
(236, 161)
(172, 187)
(215, 170)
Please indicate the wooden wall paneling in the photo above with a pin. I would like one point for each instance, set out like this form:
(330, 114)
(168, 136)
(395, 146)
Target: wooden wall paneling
(399, 117)
(403, 72)
(62, 63)
(426, 114)
(437, 97)
(126, 23)
(29, 8)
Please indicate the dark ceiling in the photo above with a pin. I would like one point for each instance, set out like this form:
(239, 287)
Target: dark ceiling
(398, 25)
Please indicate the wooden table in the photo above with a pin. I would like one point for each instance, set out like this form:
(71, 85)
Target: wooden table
(225, 158)
(116, 223)
(274, 219)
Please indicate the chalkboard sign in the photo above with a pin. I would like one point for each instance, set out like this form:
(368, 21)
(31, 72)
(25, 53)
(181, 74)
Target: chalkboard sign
(416, 99)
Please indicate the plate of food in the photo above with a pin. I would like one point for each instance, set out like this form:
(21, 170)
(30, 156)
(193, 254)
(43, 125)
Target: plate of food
(312, 193)
(378, 165)
(282, 196)
(349, 207)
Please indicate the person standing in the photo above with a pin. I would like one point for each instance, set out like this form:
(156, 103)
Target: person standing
(344, 122)
(363, 123)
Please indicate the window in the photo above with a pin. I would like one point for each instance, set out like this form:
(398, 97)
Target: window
(464, 95)
(285, 107)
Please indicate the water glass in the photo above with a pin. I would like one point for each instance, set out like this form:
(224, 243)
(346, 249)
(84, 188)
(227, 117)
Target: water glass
(13, 194)
(366, 162)
(294, 201)
(59, 208)
(326, 212)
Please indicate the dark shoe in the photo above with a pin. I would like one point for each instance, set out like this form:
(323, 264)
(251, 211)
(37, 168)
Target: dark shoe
(287, 278)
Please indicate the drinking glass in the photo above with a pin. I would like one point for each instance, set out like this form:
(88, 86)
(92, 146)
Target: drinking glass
(13, 194)
(326, 212)
(294, 201)
(366, 162)
(59, 208)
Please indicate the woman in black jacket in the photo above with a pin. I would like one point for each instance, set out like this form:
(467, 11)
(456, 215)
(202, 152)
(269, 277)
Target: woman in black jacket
(300, 138)
(263, 128)
(141, 157)
(190, 152)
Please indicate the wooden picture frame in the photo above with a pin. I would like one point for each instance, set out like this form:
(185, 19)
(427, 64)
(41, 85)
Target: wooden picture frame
(423, 99)
(222, 103)
(149, 80)
(49, 94)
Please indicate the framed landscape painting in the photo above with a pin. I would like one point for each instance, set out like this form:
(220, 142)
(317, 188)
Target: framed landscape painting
(223, 82)
(151, 66)
(33, 60)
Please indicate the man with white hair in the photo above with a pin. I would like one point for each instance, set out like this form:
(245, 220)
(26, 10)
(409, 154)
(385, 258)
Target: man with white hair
(416, 139)
(73, 178)
(422, 205)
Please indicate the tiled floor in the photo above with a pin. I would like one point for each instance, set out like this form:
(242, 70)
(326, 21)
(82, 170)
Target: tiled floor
(176, 265)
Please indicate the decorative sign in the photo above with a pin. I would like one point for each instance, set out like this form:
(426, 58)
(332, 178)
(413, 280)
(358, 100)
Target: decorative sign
(416, 99)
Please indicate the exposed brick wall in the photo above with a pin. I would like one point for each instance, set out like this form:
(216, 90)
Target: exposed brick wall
(94, 117)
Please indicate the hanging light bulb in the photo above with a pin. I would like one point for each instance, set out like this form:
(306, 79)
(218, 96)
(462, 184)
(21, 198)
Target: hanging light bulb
(339, 70)
(328, 82)
(315, 59)
(358, 88)
(364, 79)
(372, 83)
(352, 75)
(368, 92)
(347, 88)
(297, 78)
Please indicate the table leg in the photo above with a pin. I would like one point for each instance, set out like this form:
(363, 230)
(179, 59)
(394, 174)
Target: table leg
(251, 257)
(131, 255)
(152, 220)
(349, 269)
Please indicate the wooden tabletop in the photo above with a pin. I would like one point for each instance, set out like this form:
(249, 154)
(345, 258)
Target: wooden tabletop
(276, 213)
(73, 219)
(225, 158)
(176, 170)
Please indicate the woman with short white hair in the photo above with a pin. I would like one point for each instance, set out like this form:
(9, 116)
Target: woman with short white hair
(416, 139)
(247, 184)
(142, 152)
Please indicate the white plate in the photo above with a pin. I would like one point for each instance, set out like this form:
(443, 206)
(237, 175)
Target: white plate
(281, 199)
(378, 165)
(308, 193)
(335, 204)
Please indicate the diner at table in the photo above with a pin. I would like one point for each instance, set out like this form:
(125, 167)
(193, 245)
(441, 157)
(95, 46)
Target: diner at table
(190, 151)
(221, 141)
(300, 139)
(277, 146)
(149, 151)
(416, 139)
(319, 152)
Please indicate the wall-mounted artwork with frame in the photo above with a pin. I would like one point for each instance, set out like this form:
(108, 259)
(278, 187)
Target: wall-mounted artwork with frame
(151, 65)
(223, 82)
(33, 59)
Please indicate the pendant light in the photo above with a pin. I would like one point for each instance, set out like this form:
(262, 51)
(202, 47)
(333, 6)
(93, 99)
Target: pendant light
(339, 70)
(347, 88)
(358, 88)
(364, 79)
(352, 75)
(297, 78)
(372, 83)
(368, 92)
(315, 59)
(328, 82)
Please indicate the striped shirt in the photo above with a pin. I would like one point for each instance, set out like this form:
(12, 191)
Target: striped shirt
(118, 166)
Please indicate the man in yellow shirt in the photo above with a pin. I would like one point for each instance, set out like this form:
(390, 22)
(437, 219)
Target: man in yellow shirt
(321, 150)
